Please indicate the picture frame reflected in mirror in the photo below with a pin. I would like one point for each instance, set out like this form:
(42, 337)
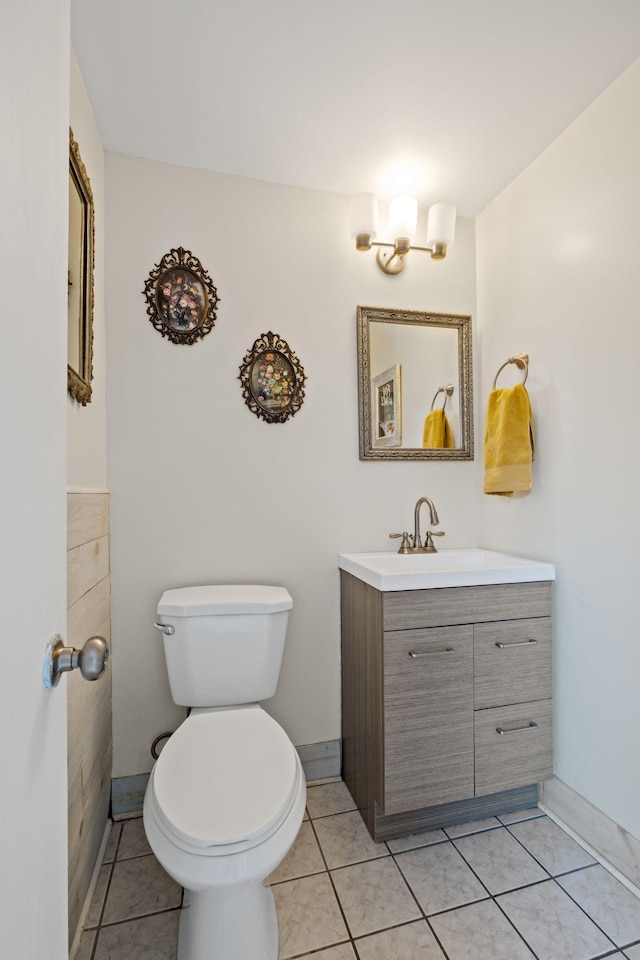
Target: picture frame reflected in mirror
(386, 400)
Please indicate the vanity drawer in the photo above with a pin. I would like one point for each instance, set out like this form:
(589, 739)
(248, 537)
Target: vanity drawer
(428, 717)
(513, 746)
(405, 609)
(512, 662)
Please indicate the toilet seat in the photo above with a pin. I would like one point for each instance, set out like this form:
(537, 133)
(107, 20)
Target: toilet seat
(225, 781)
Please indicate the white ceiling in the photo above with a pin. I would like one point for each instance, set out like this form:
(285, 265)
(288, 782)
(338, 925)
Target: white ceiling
(337, 94)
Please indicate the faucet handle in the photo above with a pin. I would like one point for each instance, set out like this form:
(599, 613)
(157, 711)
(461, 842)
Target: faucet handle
(428, 541)
(405, 546)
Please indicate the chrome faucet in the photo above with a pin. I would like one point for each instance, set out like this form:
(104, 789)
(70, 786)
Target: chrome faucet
(414, 544)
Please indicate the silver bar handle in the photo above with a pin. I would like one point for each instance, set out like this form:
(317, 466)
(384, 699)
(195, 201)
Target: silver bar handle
(165, 628)
(430, 653)
(524, 726)
(515, 643)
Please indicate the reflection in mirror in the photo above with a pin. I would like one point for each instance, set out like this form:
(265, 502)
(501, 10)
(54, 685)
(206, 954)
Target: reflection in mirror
(80, 279)
(414, 385)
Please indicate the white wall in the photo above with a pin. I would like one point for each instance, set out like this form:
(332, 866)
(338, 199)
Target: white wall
(202, 490)
(558, 276)
(86, 426)
(34, 165)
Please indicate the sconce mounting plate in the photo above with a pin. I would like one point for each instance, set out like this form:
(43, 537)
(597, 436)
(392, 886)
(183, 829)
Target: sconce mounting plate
(390, 262)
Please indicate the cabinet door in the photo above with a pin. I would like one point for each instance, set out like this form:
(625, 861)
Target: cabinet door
(428, 717)
(514, 746)
(512, 662)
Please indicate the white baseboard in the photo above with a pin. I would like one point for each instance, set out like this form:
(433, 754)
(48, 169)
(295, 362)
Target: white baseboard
(88, 900)
(321, 761)
(608, 842)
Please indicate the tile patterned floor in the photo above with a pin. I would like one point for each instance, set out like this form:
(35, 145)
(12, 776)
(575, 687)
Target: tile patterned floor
(509, 888)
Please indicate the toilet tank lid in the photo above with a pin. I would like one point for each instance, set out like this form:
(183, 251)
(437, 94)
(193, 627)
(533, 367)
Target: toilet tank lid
(224, 599)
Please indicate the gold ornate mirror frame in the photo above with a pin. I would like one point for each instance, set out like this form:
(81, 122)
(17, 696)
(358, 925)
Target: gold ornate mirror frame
(80, 279)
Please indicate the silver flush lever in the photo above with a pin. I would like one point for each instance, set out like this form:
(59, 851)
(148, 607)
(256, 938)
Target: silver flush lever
(165, 628)
(91, 660)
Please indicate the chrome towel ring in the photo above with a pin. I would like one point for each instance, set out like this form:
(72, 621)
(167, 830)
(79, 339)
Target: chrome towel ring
(521, 361)
(448, 390)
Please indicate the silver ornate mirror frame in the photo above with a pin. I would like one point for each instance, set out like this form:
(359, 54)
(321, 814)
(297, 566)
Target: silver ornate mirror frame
(459, 324)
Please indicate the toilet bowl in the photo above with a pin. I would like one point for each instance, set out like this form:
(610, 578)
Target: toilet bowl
(225, 799)
(223, 806)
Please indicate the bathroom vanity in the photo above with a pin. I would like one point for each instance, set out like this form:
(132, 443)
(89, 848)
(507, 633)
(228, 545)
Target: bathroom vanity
(446, 686)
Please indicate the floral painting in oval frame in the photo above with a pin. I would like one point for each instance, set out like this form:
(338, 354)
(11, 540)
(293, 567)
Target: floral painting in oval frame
(272, 379)
(181, 298)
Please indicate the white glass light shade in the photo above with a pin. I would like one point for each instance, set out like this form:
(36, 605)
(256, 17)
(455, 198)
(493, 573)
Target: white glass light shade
(403, 217)
(441, 224)
(364, 215)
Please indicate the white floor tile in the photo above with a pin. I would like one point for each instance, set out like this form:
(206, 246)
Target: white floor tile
(416, 840)
(308, 915)
(520, 815)
(550, 845)
(373, 896)
(439, 878)
(499, 860)
(479, 932)
(552, 924)
(329, 798)
(148, 937)
(138, 887)
(607, 901)
(345, 839)
(342, 952)
(413, 941)
(133, 841)
(303, 859)
(377, 894)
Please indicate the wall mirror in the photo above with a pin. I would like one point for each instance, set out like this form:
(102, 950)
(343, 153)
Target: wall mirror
(415, 385)
(80, 279)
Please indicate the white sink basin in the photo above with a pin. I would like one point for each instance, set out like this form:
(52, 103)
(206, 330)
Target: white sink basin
(447, 568)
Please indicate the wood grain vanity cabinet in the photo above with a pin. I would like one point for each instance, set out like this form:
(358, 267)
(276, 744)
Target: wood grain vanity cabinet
(446, 702)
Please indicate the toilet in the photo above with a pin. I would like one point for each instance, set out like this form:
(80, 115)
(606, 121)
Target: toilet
(226, 797)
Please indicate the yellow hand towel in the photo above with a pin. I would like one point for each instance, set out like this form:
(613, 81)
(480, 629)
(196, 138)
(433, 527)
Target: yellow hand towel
(437, 432)
(508, 442)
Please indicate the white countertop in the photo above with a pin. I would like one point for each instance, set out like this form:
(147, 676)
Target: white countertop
(446, 568)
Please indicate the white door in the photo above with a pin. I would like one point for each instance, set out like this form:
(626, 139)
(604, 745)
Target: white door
(34, 64)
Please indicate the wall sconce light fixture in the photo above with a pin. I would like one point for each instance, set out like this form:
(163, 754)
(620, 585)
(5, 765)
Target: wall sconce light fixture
(403, 217)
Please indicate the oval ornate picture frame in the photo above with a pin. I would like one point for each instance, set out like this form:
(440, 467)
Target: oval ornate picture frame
(272, 379)
(181, 298)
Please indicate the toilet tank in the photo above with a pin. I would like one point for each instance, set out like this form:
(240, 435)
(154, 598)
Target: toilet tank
(227, 642)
